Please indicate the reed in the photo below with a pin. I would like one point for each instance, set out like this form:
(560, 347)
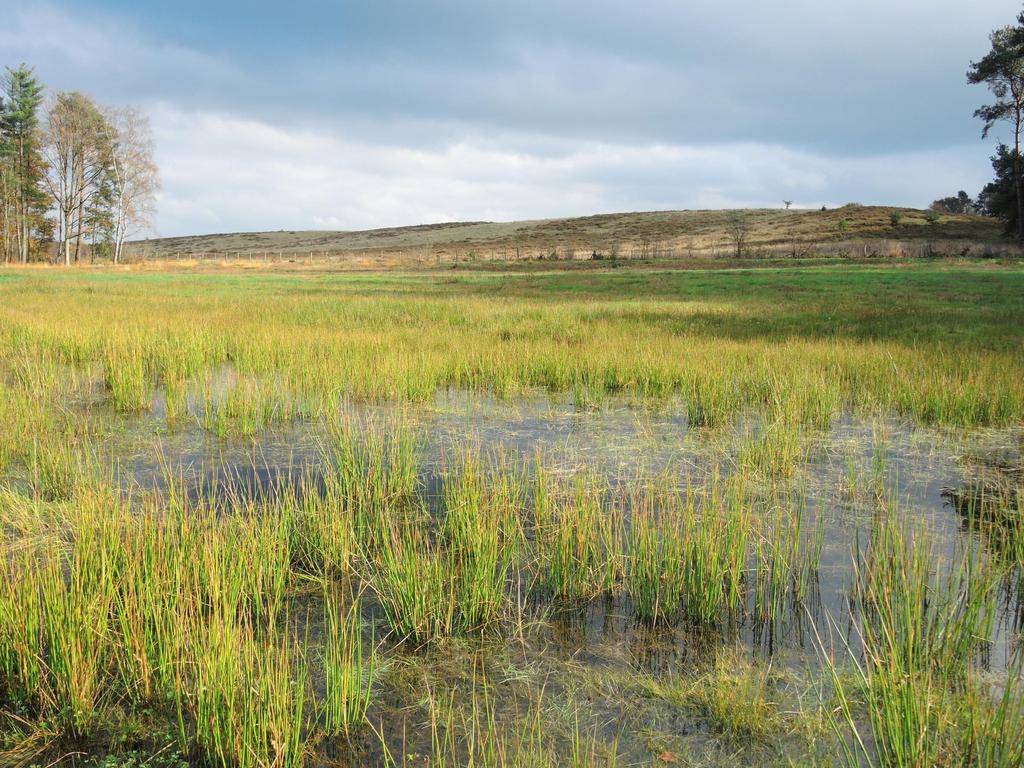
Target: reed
(412, 577)
(246, 695)
(656, 578)
(578, 539)
(124, 373)
(348, 673)
(787, 560)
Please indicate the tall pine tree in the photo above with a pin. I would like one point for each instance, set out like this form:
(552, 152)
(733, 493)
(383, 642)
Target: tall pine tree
(1002, 70)
(23, 202)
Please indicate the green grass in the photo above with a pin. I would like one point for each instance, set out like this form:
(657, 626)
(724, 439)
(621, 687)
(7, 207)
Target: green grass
(940, 343)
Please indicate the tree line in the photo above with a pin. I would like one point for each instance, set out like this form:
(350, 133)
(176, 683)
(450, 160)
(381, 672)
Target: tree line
(74, 174)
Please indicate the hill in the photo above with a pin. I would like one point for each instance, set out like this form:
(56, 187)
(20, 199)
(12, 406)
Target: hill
(850, 230)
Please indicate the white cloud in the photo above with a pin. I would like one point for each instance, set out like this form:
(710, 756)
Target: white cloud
(224, 173)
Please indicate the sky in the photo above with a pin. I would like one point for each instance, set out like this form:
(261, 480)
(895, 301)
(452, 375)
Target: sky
(344, 115)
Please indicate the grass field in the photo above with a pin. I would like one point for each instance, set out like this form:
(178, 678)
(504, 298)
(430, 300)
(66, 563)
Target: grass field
(789, 589)
(936, 342)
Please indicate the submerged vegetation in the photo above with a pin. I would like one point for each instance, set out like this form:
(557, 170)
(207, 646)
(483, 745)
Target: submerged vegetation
(382, 602)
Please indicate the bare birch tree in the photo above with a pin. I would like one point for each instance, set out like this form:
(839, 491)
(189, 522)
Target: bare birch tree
(78, 153)
(134, 176)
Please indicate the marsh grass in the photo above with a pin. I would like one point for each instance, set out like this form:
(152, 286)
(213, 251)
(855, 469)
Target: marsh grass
(687, 555)
(711, 401)
(483, 528)
(578, 539)
(188, 604)
(414, 581)
(882, 718)
(715, 553)
(438, 579)
(777, 452)
(182, 605)
(376, 475)
(921, 623)
(787, 559)
(655, 577)
(322, 536)
(916, 613)
(349, 673)
(124, 373)
(723, 351)
(172, 610)
(55, 466)
(247, 695)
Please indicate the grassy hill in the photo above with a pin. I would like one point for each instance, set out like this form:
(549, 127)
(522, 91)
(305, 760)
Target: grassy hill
(851, 230)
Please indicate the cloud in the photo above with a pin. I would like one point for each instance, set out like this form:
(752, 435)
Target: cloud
(110, 58)
(227, 173)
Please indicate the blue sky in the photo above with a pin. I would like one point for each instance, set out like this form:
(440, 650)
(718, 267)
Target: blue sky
(315, 115)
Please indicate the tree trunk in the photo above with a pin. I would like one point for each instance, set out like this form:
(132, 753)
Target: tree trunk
(23, 229)
(1018, 181)
(80, 224)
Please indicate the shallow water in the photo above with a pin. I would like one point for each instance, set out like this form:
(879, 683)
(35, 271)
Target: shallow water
(847, 466)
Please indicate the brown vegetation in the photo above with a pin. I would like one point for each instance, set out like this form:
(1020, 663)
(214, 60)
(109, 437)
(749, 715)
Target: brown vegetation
(848, 231)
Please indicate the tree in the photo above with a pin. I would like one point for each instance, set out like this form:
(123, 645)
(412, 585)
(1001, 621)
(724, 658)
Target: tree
(23, 202)
(134, 176)
(98, 223)
(961, 203)
(79, 154)
(999, 198)
(738, 228)
(1002, 70)
(895, 217)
